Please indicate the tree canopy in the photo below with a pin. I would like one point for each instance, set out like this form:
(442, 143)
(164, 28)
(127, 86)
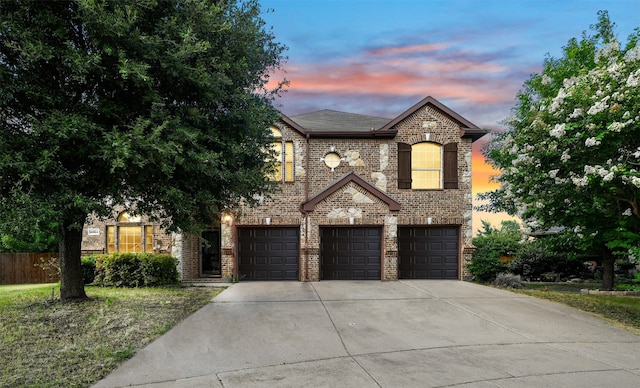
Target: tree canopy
(161, 106)
(571, 156)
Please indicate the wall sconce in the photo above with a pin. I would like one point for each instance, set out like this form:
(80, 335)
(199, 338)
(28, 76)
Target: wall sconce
(352, 220)
(227, 219)
(267, 220)
(429, 220)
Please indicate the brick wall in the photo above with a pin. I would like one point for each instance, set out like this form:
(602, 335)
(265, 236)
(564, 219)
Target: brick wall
(94, 233)
(376, 161)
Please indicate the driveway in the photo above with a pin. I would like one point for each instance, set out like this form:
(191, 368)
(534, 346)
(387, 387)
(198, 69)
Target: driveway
(409, 333)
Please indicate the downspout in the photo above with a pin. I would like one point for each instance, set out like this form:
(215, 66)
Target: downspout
(306, 213)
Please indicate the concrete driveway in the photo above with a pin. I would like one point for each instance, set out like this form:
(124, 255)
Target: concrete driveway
(417, 333)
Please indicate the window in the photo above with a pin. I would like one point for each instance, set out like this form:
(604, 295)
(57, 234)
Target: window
(427, 165)
(332, 160)
(129, 235)
(284, 157)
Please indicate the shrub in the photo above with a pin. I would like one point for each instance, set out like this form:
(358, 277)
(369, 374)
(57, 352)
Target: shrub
(485, 268)
(136, 270)
(88, 269)
(508, 280)
(158, 270)
(504, 241)
(549, 258)
(491, 244)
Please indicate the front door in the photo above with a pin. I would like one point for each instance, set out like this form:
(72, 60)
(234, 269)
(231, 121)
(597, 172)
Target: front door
(211, 253)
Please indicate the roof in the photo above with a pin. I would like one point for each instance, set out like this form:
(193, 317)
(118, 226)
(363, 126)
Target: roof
(334, 123)
(331, 123)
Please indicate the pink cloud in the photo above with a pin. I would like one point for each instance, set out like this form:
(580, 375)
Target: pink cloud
(403, 79)
(423, 48)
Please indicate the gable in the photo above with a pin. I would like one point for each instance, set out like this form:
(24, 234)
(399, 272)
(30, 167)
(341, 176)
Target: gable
(467, 128)
(360, 191)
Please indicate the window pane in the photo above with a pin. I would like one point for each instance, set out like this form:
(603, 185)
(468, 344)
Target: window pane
(277, 146)
(425, 155)
(425, 180)
(288, 161)
(275, 132)
(111, 239)
(126, 217)
(130, 239)
(148, 238)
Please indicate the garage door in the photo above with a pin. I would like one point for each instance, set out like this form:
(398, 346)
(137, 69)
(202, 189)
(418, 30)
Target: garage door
(350, 253)
(428, 253)
(268, 253)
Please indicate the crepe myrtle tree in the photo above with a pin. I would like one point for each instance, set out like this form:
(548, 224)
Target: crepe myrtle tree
(571, 156)
(162, 106)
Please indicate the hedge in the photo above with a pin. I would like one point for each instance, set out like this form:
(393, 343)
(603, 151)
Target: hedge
(135, 270)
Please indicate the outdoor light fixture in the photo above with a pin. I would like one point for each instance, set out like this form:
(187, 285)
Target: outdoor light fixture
(227, 218)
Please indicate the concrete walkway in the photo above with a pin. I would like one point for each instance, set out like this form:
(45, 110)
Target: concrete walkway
(417, 333)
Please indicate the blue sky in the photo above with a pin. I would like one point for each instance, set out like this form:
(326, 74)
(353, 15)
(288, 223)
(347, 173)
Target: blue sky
(380, 57)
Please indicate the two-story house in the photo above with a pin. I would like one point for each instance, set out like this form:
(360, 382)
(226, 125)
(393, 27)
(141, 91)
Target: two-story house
(361, 197)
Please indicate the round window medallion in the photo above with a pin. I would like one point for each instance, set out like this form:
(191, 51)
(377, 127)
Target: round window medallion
(332, 160)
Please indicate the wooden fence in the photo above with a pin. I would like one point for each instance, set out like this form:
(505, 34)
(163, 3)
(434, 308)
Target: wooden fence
(20, 268)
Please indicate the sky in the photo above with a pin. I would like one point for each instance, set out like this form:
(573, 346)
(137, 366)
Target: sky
(380, 57)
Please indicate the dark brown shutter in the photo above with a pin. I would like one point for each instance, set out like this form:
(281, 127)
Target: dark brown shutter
(404, 166)
(450, 166)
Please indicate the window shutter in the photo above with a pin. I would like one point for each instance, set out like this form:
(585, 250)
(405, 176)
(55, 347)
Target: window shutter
(404, 166)
(450, 167)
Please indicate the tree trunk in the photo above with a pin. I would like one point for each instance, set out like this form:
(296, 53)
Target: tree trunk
(71, 278)
(607, 270)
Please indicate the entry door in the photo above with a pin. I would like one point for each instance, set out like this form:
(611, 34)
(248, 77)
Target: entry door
(211, 265)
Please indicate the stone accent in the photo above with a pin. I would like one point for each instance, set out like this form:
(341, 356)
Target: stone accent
(352, 157)
(380, 180)
(384, 156)
(586, 291)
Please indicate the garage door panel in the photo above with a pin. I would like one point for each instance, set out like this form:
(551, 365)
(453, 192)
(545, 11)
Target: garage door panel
(350, 253)
(268, 253)
(428, 252)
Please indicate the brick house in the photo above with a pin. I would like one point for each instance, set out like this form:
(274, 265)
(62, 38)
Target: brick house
(361, 197)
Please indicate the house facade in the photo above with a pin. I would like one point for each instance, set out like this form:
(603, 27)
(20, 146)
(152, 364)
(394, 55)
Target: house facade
(361, 198)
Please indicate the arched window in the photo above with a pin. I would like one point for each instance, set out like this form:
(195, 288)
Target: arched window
(426, 166)
(284, 157)
(129, 235)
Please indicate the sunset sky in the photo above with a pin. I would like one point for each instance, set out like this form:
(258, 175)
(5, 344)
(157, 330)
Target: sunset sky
(379, 57)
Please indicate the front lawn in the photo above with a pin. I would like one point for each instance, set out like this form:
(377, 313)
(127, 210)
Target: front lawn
(45, 343)
(623, 310)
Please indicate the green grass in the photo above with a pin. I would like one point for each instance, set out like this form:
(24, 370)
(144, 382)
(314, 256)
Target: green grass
(623, 310)
(45, 343)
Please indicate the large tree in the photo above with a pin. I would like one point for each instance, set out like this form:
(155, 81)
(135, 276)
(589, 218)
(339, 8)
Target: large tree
(571, 156)
(162, 106)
